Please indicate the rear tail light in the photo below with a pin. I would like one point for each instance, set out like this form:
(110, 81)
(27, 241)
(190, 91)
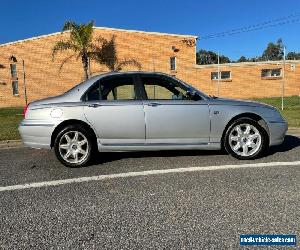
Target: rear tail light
(25, 110)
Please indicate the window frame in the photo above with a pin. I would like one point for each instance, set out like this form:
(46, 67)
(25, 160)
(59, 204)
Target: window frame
(13, 71)
(221, 79)
(214, 73)
(16, 82)
(167, 78)
(270, 76)
(175, 63)
(98, 81)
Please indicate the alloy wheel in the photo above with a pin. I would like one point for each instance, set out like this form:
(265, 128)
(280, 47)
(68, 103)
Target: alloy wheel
(245, 139)
(73, 147)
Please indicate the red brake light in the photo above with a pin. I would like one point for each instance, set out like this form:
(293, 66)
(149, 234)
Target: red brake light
(25, 110)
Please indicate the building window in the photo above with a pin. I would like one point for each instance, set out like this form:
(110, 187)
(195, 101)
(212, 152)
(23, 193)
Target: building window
(173, 63)
(13, 70)
(225, 75)
(15, 87)
(265, 73)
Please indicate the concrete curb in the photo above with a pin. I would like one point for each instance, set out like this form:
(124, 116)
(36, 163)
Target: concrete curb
(19, 144)
(11, 144)
(294, 131)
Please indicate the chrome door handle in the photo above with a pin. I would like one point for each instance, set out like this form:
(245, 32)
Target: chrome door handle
(153, 104)
(94, 105)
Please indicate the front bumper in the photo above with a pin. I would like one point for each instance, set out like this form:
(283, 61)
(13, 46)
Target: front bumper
(277, 132)
(36, 134)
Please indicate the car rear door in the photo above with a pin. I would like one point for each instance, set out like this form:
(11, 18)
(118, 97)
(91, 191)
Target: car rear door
(170, 117)
(114, 109)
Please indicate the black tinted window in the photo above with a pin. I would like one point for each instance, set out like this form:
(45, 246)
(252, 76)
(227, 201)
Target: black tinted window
(113, 88)
(158, 88)
(13, 70)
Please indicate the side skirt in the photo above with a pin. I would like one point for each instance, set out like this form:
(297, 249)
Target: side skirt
(157, 147)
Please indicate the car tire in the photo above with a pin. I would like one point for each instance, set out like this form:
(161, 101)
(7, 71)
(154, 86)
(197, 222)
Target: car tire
(245, 139)
(73, 146)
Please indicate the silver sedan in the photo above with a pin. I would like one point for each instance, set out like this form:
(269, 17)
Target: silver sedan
(147, 111)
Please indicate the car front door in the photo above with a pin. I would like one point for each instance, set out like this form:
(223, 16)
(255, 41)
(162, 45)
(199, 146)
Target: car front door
(114, 109)
(172, 114)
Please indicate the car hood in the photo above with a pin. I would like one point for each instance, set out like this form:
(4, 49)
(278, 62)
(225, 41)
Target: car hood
(235, 102)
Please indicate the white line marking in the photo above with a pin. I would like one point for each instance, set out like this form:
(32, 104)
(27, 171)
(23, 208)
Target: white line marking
(144, 173)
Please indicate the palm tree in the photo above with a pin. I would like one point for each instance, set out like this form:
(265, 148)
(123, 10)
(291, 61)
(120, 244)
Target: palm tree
(80, 42)
(106, 54)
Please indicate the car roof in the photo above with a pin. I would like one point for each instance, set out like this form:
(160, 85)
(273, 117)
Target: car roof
(80, 88)
(131, 72)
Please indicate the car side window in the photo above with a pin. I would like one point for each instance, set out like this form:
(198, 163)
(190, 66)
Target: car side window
(157, 88)
(113, 89)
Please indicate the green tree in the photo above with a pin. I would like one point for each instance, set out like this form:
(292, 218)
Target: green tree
(209, 57)
(293, 56)
(80, 43)
(273, 52)
(106, 54)
(242, 59)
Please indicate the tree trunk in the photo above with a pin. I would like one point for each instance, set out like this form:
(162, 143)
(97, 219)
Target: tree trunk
(85, 64)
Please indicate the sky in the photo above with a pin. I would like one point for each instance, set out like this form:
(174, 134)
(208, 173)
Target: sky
(24, 19)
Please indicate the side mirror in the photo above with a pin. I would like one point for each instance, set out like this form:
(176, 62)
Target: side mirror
(193, 95)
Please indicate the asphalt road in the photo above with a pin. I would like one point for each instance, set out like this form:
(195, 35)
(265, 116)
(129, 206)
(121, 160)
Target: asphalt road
(187, 210)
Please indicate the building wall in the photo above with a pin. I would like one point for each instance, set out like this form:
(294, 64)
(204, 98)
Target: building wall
(246, 81)
(44, 78)
(153, 50)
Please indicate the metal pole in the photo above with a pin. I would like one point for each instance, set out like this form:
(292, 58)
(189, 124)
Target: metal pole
(89, 67)
(218, 87)
(24, 81)
(153, 65)
(283, 79)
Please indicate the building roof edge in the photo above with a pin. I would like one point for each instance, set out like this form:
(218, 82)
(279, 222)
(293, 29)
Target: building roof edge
(246, 63)
(103, 28)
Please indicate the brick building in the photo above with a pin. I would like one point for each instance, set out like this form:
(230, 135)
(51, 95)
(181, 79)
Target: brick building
(169, 53)
(250, 79)
(154, 51)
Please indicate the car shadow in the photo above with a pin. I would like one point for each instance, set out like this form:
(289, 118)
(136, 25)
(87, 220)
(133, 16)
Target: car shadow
(107, 157)
(290, 142)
